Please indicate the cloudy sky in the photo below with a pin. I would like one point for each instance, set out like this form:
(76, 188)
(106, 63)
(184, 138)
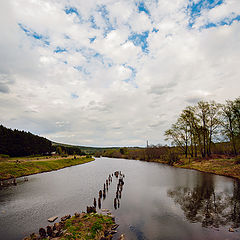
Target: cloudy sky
(114, 72)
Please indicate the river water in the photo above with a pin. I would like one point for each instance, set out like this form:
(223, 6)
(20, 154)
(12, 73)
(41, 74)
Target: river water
(158, 201)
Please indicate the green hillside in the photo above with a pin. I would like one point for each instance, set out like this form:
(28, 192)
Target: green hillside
(87, 150)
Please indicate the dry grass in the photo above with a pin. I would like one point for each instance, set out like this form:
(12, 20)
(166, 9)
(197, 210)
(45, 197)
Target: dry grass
(225, 167)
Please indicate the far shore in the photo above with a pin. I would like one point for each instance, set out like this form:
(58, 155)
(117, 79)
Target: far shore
(25, 166)
(222, 167)
(219, 166)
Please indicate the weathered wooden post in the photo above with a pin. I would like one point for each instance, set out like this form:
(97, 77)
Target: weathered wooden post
(94, 202)
(115, 203)
(104, 194)
(99, 203)
(15, 181)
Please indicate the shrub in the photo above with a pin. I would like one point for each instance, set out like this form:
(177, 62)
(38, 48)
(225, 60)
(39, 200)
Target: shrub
(237, 160)
(172, 158)
(4, 156)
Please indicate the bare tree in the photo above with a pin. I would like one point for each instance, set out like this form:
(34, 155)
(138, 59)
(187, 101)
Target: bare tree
(229, 123)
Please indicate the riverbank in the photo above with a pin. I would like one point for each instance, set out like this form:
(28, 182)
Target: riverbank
(80, 226)
(14, 169)
(224, 167)
(219, 166)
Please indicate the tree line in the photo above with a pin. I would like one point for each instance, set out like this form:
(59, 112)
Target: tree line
(67, 150)
(206, 128)
(151, 153)
(17, 143)
(200, 131)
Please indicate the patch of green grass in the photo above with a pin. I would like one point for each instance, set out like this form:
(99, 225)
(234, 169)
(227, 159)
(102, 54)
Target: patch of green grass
(13, 169)
(85, 226)
(89, 226)
(96, 227)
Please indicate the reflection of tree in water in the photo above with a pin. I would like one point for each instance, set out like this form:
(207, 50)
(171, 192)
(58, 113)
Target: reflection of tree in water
(234, 202)
(202, 204)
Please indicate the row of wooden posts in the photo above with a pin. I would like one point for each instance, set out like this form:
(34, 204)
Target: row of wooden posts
(102, 193)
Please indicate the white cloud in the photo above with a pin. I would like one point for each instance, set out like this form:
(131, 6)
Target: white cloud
(109, 91)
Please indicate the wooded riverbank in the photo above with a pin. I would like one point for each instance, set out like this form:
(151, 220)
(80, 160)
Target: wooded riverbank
(218, 164)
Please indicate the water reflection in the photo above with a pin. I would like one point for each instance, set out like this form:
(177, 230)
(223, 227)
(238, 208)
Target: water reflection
(207, 206)
(146, 211)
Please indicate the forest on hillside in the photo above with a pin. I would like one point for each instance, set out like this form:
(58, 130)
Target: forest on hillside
(17, 143)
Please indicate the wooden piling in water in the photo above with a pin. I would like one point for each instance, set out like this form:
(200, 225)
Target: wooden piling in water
(100, 194)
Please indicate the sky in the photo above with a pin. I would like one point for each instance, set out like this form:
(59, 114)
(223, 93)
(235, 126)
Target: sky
(110, 72)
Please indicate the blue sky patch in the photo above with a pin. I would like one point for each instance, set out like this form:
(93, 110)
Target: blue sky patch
(226, 21)
(92, 39)
(70, 10)
(229, 21)
(73, 10)
(93, 22)
(74, 96)
(79, 68)
(210, 25)
(140, 39)
(102, 9)
(143, 8)
(60, 50)
(133, 75)
(99, 57)
(35, 35)
(106, 62)
(194, 9)
(88, 53)
(91, 54)
(82, 69)
(66, 36)
(155, 30)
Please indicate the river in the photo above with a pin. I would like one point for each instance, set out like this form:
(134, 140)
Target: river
(158, 201)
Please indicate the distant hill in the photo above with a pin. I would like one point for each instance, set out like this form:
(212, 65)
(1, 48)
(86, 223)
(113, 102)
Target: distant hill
(17, 143)
(85, 149)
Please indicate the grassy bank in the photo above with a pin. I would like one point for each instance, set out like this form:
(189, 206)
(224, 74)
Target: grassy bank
(10, 169)
(89, 226)
(80, 226)
(225, 167)
(219, 166)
